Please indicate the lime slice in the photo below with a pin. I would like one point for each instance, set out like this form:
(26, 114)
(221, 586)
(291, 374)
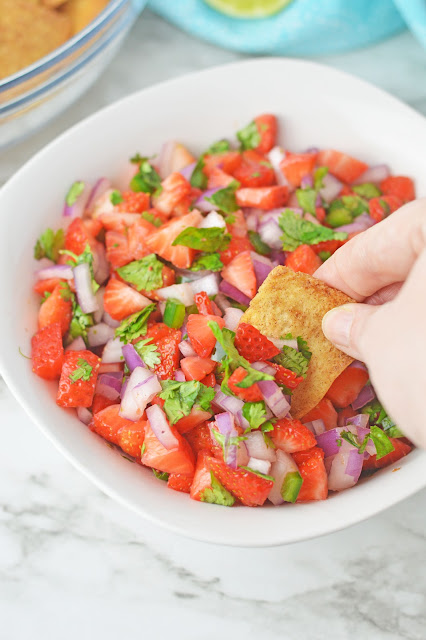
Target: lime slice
(248, 8)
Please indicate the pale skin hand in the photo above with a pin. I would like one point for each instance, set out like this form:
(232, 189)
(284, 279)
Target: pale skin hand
(385, 269)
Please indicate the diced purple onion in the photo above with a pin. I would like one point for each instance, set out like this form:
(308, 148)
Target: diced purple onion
(113, 351)
(225, 425)
(62, 271)
(331, 187)
(141, 388)
(99, 313)
(204, 205)
(187, 171)
(160, 427)
(262, 267)
(274, 398)
(124, 386)
(209, 284)
(242, 455)
(270, 233)
(213, 220)
(83, 287)
(186, 349)
(264, 367)
(84, 415)
(108, 386)
(316, 426)
(275, 156)
(361, 420)
(76, 210)
(252, 220)
(345, 467)
(131, 357)
(110, 321)
(232, 317)
(234, 293)
(182, 292)
(261, 466)
(283, 465)
(307, 181)
(101, 186)
(374, 174)
(366, 395)
(100, 263)
(222, 302)
(361, 223)
(99, 334)
(179, 375)
(357, 364)
(77, 344)
(257, 447)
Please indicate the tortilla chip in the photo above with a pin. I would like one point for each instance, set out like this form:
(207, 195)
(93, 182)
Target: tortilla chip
(294, 302)
(53, 4)
(81, 12)
(28, 32)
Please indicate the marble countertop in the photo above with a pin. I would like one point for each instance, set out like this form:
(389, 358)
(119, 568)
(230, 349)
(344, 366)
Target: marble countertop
(74, 564)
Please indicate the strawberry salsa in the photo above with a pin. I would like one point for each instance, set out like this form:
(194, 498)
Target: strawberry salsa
(142, 291)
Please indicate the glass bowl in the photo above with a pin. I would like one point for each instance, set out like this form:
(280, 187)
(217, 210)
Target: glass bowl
(34, 95)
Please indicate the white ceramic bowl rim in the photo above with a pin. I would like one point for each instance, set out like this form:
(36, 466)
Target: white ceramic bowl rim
(351, 112)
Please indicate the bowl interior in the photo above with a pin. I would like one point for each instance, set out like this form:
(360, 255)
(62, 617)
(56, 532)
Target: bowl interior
(317, 106)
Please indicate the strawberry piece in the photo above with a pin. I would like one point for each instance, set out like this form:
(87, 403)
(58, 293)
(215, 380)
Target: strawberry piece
(169, 278)
(341, 165)
(262, 197)
(196, 417)
(117, 249)
(47, 352)
(76, 237)
(209, 380)
(161, 241)
(238, 227)
(127, 434)
(381, 207)
(228, 161)
(251, 394)
(56, 308)
(303, 259)
(180, 459)
(101, 402)
(296, 166)
(196, 368)
(133, 202)
(116, 221)
(205, 487)
(267, 127)
(312, 469)
(235, 247)
(291, 436)
(137, 235)
(92, 226)
(166, 341)
(401, 449)
(240, 273)
(180, 157)
(46, 286)
(253, 345)
(204, 304)
(130, 438)
(180, 482)
(323, 411)
(110, 367)
(250, 488)
(254, 170)
(328, 245)
(218, 179)
(174, 189)
(200, 439)
(285, 376)
(399, 186)
(73, 391)
(120, 300)
(346, 387)
(320, 214)
(200, 334)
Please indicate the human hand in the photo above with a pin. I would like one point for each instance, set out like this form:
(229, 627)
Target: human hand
(385, 269)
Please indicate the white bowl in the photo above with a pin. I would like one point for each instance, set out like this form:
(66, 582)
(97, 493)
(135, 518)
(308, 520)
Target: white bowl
(318, 106)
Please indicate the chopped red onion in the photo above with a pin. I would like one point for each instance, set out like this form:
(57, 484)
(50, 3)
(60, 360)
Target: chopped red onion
(204, 205)
(131, 357)
(262, 267)
(99, 334)
(185, 347)
(357, 364)
(99, 313)
(77, 344)
(231, 404)
(234, 293)
(76, 210)
(222, 302)
(213, 220)
(374, 174)
(110, 321)
(264, 367)
(232, 318)
(141, 388)
(187, 171)
(100, 263)
(278, 257)
(327, 441)
(331, 187)
(100, 188)
(274, 398)
(366, 395)
(270, 233)
(225, 425)
(182, 292)
(108, 386)
(261, 466)
(345, 468)
(62, 271)
(161, 428)
(84, 415)
(113, 351)
(165, 156)
(257, 447)
(307, 181)
(83, 287)
(361, 420)
(179, 375)
(209, 284)
(242, 455)
(316, 426)
(275, 156)
(361, 223)
(283, 465)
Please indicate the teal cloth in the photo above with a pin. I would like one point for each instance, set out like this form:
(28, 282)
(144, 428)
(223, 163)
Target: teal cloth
(304, 27)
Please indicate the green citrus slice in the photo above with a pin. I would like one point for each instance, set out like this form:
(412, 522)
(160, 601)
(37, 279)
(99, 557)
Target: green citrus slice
(248, 8)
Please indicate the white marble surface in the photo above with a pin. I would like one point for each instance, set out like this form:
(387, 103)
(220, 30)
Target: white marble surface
(74, 564)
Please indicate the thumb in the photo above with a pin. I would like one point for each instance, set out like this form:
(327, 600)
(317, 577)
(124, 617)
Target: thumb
(346, 326)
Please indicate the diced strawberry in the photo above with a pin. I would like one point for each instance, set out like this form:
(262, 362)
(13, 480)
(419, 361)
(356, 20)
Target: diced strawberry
(110, 367)
(209, 380)
(320, 214)
(250, 489)
(161, 241)
(202, 480)
(303, 259)
(267, 127)
(323, 411)
(131, 438)
(200, 439)
(174, 189)
(78, 379)
(328, 245)
(46, 286)
(134, 202)
(401, 449)
(381, 207)
(250, 394)
(92, 226)
(137, 236)
(47, 352)
(195, 418)
(200, 334)
(180, 459)
(399, 186)
(341, 165)
(121, 301)
(76, 237)
(204, 304)
(180, 157)
(312, 469)
(228, 162)
(196, 368)
(166, 341)
(240, 273)
(252, 344)
(56, 308)
(117, 248)
(180, 482)
(296, 166)
(238, 227)
(262, 197)
(101, 402)
(114, 428)
(291, 436)
(118, 221)
(218, 179)
(169, 278)
(346, 387)
(285, 376)
(235, 247)
(254, 170)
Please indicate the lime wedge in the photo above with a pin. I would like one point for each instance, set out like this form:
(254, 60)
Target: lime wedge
(248, 8)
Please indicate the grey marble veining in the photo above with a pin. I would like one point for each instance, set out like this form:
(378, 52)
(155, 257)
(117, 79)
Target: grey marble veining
(74, 564)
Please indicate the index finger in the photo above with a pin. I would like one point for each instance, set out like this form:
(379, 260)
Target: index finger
(380, 256)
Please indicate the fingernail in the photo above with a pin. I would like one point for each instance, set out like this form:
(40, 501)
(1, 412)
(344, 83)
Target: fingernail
(337, 325)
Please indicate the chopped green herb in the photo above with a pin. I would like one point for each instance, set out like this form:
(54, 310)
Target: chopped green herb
(208, 262)
(294, 360)
(249, 136)
(46, 295)
(367, 190)
(147, 179)
(75, 190)
(230, 219)
(137, 158)
(49, 245)
(260, 475)
(198, 178)
(180, 398)
(83, 371)
(143, 449)
(150, 217)
(324, 255)
(302, 345)
(23, 354)
(221, 146)
(381, 442)
(116, 197)
(319, 175)
(254, 413)
(217, 494)
(257, 243)
(224, 199)
(135, 325)
(145, 273)
(298, 231)
(161, 475)
(148, 352)
(306, 199)
(80, 321)
(208, 240)
(379, 417)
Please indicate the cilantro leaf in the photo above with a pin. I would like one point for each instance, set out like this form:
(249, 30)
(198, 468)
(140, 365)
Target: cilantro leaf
(379, 417)
(79, 321)
(367, 190)
(161, 475)
(75, 190)
(303, 348)
(146, 179)
(221, 146)
(150, 217)
(137, 158)
(224, 199)
(148, 352)
(135, 325)
(217, 494)
(227, 441)
(249, 136)
(207, 240)
(294, 360)
(180, 397)
(319, 175)
(352, 438)
(83, 371)
(85, 257)
(116, 197)
(306, 199)
(254, 413)
(198, 178)
(144, 274)
(208, 262)
(381, 442)
(49, 244)
(260, 475)
(298, 231)
(257, 243)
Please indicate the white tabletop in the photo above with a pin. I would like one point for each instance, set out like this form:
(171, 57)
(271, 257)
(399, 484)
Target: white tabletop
(76, 565)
